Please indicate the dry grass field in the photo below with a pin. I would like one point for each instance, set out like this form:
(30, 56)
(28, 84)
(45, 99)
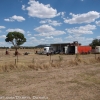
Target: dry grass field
(41, 77)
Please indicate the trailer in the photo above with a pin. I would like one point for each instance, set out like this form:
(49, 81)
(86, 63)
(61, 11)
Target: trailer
(97, 49)
(70, 49)
(84, 49)
(77, 49)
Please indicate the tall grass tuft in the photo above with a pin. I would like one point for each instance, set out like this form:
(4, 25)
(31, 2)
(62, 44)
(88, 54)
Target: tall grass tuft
(33, 60)
(42, 65)
(7, 67)
(60, 58)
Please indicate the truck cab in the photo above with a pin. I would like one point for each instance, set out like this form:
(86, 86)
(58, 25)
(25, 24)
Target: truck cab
(47, 50)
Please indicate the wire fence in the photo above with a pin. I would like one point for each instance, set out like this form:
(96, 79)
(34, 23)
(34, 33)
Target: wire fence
(41, 58)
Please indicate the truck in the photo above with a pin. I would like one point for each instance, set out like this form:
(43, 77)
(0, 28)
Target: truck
(47, 50)
(77, 49)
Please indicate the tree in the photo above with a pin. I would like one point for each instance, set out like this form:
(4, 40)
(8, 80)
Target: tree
(16, 38)
(95, 42)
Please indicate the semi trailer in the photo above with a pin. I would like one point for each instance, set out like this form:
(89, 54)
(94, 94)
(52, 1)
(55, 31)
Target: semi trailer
(97, 49)
(77, 49)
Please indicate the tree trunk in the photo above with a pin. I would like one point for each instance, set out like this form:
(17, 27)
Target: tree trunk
(16, 52)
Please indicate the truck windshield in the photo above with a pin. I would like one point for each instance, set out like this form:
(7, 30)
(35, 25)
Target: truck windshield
(44, 48)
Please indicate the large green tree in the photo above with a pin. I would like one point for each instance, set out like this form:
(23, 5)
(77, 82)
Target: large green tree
(16, 38)
(95, 42)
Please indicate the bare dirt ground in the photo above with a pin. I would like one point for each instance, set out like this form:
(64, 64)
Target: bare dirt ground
(65, 82)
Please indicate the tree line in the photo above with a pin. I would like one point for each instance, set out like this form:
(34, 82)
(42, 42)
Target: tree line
(95, 42)
(17, 39)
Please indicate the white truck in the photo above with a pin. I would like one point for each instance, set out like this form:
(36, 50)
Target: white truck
(47, 50)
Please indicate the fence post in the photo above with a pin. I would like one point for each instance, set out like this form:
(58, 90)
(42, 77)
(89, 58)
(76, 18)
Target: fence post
(17, 58)
(15, 61)
(50, 56)
(95, 55)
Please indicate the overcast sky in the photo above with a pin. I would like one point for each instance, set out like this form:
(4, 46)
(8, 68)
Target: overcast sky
(50, 21)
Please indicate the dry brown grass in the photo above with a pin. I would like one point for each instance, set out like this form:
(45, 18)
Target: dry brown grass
(36, 65)
(63, 77)
(64, 83)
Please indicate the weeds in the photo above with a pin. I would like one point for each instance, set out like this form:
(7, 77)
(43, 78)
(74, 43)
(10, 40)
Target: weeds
(41, 64)
(60, 58)
(33, 60)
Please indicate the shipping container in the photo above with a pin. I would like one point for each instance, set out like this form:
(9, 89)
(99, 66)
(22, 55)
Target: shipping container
(77, 49)
(84, 49)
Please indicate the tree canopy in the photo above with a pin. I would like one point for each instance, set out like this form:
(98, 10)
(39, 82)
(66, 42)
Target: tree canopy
(95, 42)
(16, 38)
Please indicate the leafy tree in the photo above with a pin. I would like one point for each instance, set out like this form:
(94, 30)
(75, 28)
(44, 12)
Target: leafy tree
(95, 42)
(16, 38)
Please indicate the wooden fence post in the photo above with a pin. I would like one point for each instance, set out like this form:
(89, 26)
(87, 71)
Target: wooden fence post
(15, 61)
(50, 57)
(17, 57)
(95, 55)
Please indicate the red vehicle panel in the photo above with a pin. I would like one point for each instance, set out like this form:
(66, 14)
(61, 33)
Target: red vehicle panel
(84, 49)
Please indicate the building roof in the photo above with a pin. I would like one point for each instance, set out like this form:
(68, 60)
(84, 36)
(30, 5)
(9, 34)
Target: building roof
(59, 43)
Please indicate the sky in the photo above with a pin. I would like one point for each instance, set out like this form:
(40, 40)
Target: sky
(50, 21)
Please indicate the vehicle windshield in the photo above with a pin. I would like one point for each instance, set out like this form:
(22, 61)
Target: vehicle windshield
(44, 48)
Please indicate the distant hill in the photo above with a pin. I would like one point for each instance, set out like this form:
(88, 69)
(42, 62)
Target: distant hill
(42, 45)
